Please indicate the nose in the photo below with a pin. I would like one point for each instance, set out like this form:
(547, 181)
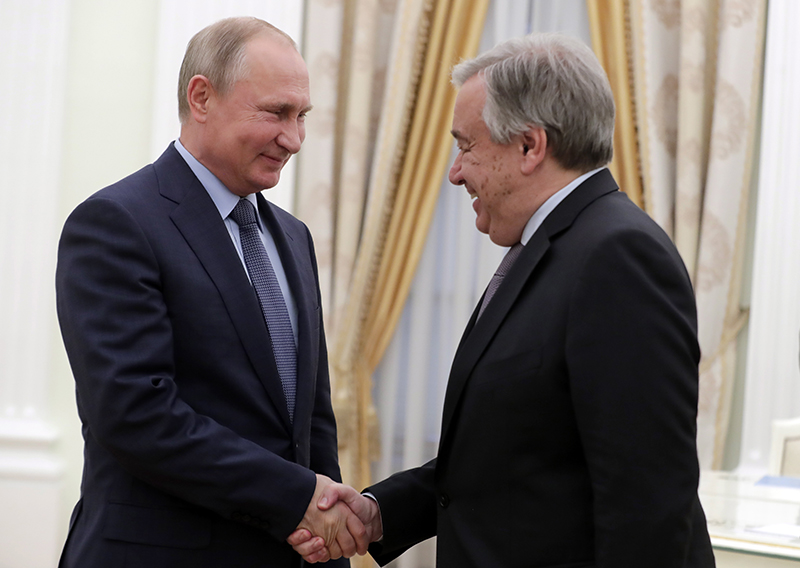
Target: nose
(291, 136)
(455, 172)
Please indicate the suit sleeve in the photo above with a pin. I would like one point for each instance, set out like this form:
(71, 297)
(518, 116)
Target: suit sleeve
(117, 333)
(632, 355)
(407, 502)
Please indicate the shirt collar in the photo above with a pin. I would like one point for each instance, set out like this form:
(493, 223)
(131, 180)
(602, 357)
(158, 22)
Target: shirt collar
(552, 202)
(222, 197)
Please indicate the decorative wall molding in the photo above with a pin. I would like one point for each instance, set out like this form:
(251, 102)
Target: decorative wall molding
(32, 64)
(179, 20)
(26, 451)
(772, 383)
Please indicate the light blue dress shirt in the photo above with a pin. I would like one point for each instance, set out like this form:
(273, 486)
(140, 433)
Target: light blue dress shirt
(225, 201)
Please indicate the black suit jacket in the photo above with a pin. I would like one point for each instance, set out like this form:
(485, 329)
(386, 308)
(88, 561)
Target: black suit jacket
(190, 456)
(568, 435)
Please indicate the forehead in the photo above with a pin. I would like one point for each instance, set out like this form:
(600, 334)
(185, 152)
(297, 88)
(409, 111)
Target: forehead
(468, 110)
(276, 69)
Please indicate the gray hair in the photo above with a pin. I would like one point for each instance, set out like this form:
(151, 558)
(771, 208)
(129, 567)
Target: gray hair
(551, 81)
(218, 53)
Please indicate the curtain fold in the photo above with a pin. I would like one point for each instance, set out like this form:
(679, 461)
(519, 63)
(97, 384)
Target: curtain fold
(347, 50)
(317, 168)
(411, 153)
(356, 98)
(369, 174)
(609, 22)
(426, 158)
(723, 221)
(696, 79)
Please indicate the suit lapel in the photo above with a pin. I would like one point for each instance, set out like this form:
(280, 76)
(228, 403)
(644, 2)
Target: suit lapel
(479, 333)
(198, 220)
(296, 261)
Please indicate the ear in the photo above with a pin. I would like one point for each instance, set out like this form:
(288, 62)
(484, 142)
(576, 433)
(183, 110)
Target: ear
(533, 146)
(198, 94)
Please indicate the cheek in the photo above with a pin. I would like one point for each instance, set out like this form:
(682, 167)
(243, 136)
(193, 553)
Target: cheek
(473, 169)
(256, 133)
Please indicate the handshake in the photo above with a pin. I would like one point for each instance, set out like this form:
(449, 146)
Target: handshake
(339, 522)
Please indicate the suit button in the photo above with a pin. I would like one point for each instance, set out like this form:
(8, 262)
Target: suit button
(444, 500)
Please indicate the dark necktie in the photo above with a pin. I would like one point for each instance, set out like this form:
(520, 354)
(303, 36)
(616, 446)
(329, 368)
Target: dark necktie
(273, 306)
(504, 267)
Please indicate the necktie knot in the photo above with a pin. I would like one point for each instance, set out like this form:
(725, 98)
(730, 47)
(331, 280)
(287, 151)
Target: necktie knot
(244, 213)
(494, 283)
(508, 259)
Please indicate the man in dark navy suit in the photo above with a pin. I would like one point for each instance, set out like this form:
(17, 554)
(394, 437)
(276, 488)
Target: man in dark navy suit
(569, 425)
(208, 427)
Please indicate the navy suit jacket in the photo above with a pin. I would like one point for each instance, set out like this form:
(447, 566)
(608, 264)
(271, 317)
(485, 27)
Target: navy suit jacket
(190, 458)
(569, 425)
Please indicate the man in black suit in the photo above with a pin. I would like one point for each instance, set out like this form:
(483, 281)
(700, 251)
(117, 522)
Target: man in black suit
(190, 311)
(568, 435)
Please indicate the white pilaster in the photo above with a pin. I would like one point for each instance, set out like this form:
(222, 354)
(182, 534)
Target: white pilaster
(772, 387)
(179, 20)
(32, 65)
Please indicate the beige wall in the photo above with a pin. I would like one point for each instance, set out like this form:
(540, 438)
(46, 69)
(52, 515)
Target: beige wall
(106, 135)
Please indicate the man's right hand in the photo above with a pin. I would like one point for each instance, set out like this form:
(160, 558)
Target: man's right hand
(341, 530)
(364, 524)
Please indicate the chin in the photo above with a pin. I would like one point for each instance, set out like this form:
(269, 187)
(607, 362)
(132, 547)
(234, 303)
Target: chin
(268, 182)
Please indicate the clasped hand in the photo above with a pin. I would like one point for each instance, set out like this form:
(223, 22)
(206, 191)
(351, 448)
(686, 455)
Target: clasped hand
(339, 522)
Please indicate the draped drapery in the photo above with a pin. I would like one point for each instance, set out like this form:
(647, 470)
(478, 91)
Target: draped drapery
(610, 27)
(411, 152)
(696, 78)
(369, 211)
(772, 386)
(346, 47)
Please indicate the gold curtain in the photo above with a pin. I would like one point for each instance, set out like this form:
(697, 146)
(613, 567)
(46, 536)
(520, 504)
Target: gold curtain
(411, 155)
(694, 69)
(609, 21)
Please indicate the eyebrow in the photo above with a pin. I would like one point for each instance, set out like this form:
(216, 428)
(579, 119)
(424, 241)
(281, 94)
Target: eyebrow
(286, 107)
(457, 135)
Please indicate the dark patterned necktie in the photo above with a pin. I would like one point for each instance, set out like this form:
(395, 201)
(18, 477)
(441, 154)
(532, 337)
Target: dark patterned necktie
(502, 270)
(273, 306)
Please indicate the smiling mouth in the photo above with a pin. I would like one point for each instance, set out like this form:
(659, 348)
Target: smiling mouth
(275, 160)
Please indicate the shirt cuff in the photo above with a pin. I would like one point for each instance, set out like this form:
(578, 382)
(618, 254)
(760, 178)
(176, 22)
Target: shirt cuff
(371, 496)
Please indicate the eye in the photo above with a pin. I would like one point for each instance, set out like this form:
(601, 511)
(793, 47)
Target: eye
(272, 110)
(269, 113)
